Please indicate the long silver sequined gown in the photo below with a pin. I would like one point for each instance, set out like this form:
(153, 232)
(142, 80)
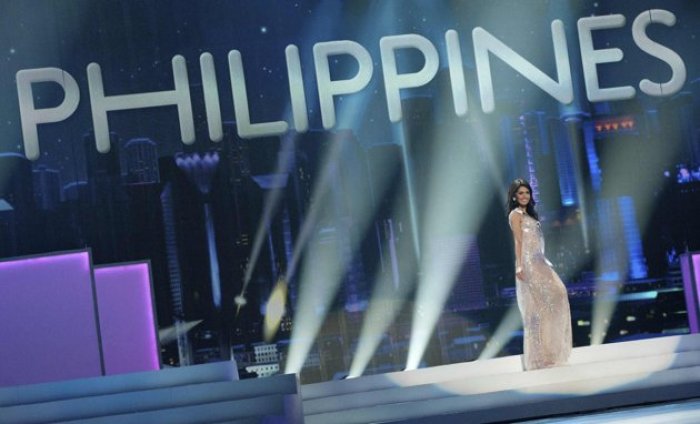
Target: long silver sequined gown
(543, 302)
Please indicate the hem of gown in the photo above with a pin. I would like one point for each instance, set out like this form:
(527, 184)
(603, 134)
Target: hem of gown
(554, 365)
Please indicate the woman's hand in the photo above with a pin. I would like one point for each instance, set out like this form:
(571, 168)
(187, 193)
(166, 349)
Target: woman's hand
(519, 274)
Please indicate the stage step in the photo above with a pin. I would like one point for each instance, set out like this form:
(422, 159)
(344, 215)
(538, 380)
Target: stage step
(497, 390)
(122, 383)
(178, 395)
(504, 365)
(263, 409)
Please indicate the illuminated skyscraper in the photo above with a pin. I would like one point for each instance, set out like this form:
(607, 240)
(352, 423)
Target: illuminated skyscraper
(175, 276)
(539, 160)
(200, 169)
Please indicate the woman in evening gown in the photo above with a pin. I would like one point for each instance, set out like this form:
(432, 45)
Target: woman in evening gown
(542, 297)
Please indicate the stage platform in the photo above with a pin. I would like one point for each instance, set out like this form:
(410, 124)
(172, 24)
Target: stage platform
(649, 381)
(597, 378)
(208, 393)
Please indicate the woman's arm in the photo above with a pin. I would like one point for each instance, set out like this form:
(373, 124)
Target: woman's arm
(516, 226)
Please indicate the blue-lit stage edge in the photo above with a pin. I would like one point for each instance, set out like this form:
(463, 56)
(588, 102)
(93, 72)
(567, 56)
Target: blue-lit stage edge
(690, 266)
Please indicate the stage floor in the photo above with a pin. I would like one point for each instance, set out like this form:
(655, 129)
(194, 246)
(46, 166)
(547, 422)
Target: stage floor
(597, 378)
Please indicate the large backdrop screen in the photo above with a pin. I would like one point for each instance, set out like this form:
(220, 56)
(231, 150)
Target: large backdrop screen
(320, 186)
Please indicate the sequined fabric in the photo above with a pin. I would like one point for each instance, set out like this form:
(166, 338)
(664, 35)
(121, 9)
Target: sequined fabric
(543, 302)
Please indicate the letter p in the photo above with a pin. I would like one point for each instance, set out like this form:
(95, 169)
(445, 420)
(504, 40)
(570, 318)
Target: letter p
(31, 116)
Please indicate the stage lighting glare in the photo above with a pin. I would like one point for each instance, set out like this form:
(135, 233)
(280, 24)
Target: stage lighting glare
(510, 323)
(452, 217)
(603, 308)
(272, 199)
(170, 334)
(314, 290)
(578, 377)
(391, 289)
(329, 248)
(622, 219)
(321, 276)
(563, 382)
(275, 310)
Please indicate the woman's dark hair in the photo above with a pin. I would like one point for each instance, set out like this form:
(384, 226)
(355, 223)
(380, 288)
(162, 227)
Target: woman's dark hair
(512, 204)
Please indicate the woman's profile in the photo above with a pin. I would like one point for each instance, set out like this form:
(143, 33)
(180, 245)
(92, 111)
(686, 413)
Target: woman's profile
(542, 297)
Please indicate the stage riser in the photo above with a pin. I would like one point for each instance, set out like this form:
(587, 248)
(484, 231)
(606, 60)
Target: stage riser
(166, 396)
(511, 364)
(146, 401)
(72, 389)
(597, 377)
(499, 366)
(576, 405)
(471, 386)
(262, 409)
(518, 405)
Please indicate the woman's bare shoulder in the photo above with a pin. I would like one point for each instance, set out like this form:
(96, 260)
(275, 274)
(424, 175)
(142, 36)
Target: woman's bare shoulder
(515, 215)
(516, 212)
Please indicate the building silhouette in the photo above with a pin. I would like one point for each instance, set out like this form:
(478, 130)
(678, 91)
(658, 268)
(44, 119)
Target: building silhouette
(140, 162)
(47, 187)
(16, 206)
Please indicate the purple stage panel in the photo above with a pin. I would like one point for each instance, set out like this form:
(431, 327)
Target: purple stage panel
(690, 267)
(48, 325)
(127, 318)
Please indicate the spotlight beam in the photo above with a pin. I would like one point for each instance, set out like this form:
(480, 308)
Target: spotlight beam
(623, 176)
(330, 13)
(454, 209)
(510, 323)
(327, 258)
(386, 303)
(306, 323)
(318, 288)
(272, 199)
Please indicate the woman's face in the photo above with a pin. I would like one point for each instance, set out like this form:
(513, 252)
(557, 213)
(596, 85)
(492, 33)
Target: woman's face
(522, 196)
